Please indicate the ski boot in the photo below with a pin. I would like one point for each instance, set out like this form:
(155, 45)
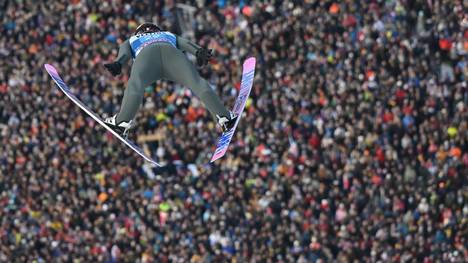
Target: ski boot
(122, 128)
(227, 122)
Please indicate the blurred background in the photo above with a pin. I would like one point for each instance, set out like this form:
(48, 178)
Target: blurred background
(353, 146)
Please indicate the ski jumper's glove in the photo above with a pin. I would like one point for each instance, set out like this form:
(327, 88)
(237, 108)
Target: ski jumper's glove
(203, 56)
(114, 68)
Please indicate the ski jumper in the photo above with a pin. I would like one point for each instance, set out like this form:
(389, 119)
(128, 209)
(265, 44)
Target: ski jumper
(158, 56)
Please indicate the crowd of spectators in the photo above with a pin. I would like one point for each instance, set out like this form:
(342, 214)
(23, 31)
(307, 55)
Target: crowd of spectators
(353, 146)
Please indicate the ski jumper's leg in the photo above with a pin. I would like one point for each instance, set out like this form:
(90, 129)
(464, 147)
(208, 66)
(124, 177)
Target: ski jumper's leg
(146, 69)
(177, 68)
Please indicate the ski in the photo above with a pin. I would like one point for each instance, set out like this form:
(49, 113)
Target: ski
(65, 89)
(248, 73)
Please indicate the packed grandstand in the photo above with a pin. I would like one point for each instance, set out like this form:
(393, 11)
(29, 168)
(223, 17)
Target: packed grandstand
(353, 146)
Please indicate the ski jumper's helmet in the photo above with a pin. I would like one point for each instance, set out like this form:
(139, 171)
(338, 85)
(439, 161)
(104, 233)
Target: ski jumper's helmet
(147, 28)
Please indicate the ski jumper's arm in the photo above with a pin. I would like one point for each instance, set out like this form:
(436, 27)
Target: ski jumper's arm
(125, 53)
(187, 45)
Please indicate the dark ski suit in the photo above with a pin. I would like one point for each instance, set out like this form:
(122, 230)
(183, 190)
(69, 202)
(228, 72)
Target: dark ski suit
(157, 56)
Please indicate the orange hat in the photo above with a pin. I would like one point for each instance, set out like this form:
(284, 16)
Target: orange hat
(247, 10)
(102, 197)
(334, 8)
(455, 152)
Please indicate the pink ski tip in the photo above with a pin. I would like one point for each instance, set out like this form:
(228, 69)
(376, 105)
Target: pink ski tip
(249, 63)
(50, 68)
